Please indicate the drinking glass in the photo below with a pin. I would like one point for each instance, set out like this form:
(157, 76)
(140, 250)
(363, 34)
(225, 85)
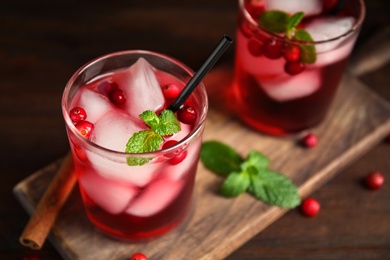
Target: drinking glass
(140, 202)
(279, 90)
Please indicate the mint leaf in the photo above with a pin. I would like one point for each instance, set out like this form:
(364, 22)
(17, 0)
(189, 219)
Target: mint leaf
(168, 124)
(220, 158)
(274, 188)
(150, 118)
(235, 184)
(142, 142)
(294, 20)
(308, 51)
(274, 21)
(255, 159)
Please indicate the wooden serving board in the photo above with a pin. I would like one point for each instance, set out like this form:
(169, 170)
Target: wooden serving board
(358, 120)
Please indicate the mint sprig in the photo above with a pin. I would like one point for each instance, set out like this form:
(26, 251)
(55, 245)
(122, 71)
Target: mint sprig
(249, 175)
(280, 22)
(149, 140)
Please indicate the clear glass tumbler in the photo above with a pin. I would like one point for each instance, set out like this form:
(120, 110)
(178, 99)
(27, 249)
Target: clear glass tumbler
(284, 83)
(139, 202)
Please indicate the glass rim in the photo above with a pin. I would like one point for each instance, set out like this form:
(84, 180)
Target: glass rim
(187, 139)
(358, 23)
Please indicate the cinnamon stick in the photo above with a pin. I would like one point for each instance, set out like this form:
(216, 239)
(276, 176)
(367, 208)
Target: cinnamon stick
(56, 194)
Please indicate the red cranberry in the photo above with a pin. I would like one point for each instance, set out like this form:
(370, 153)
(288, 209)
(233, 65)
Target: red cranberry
(106, 87)
(255, 47)
(273, 49)
(117, 97)
(294, 67)
(176, 157)
(85, 128)
(291, 52)
(186, 114)
(310, 207)
(171, 91)
(138, 256)
(309, 140)
(255, 8)
(77, 114)
(374, 180)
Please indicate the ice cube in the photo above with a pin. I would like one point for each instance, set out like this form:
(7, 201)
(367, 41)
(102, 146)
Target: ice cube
(326, 28)
(308, 7)
(114, 129)
(286, 87)
(94, 104)
(118, 170)
(113, 197)
(157, 196)
(142, 90)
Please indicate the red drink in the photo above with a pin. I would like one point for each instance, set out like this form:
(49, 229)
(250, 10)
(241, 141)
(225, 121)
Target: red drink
(274, 91)
(135, 202)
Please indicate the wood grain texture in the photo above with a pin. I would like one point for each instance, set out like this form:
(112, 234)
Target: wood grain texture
(358, 120)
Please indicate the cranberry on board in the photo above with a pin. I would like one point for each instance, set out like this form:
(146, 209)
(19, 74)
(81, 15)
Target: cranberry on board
(138, 256)
(374, 180)
(309, 141)
(310, 207)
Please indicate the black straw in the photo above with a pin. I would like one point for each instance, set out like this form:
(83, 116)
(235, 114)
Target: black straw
(195, 80)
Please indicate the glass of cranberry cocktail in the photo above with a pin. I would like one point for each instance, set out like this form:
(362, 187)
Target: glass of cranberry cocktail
(135, 174)
(290, 58)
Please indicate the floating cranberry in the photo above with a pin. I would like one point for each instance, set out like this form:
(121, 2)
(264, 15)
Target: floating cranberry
(294, 67)
(255, 47)
(374, 180)
(273, 49)
(186, 115)
(77, 114)
(105, 87)
(171, 91)
(85, 128)
(138, 256)
(176, 156)
(291, 52)
(310, 207)
(255, 8)
(309, 140)
(117, 97)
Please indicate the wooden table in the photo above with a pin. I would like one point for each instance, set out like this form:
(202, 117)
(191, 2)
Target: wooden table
(43, 42)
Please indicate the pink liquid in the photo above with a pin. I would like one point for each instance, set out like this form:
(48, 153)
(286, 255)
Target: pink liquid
(136, 202)
(274, 102)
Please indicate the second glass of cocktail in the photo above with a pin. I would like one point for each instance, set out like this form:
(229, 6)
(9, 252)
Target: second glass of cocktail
(130, 191)
(290, 57)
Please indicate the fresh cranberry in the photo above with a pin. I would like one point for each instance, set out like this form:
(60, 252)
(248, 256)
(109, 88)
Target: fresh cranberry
(77, 114)
(255, 8)
(105, 87)
(273, 49)
(171, 91)
(85, 128)
(310, 140)
(186, 114)
(310, 207)
(138, 256)
(374, 180)
(294, 67)
(117, 97)
(291, 52)
(177, 156)
(255, 47)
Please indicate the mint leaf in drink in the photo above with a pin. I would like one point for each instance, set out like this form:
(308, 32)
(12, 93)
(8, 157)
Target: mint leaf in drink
(274, 188)
(220, 158)
(274, 21)
(308, 51)
(251, 175)
(146, 141)
(142, 142)
(235, 184)
(279, 22)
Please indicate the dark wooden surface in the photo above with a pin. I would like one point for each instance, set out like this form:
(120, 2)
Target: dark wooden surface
(43, 42)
